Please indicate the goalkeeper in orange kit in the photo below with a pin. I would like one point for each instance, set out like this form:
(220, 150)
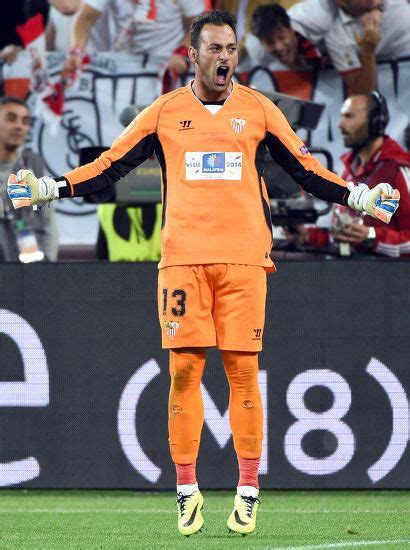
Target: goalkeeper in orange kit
(209, 138)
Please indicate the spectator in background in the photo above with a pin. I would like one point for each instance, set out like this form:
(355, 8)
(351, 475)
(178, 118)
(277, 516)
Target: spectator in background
(41, 225)
(24, 22)
(156, 29)
(243, 10)
(58, 32)
(373, 157)
(271, 24)
(354, 32)
(20, 21)
(351, 32)
(22, 26)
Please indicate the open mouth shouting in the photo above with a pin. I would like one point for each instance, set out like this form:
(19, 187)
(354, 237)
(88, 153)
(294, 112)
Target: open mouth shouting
(222, 75)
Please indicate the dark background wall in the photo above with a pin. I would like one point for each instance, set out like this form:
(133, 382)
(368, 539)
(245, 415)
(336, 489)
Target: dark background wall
(84, 383)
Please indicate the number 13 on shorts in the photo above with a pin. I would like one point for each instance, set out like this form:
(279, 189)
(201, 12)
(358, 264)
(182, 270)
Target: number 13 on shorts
(179, 309)
(184, 308)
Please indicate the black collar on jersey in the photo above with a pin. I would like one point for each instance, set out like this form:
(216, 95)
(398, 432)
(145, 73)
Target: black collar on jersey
(212, 102)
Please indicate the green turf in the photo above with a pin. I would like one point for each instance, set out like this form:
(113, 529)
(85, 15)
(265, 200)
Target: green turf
(122, 520)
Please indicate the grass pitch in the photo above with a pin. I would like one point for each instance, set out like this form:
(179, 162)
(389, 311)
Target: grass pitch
(124, 520)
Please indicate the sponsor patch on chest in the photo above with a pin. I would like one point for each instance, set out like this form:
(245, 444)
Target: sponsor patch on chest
(214, 165)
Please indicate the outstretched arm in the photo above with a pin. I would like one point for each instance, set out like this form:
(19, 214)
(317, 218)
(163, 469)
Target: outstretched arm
(136, 143)
(288, 150)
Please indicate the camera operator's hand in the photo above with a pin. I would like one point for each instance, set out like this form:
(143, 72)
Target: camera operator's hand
(353, 233)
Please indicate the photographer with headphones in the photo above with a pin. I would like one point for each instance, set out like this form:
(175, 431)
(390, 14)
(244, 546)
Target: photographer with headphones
(374, 157)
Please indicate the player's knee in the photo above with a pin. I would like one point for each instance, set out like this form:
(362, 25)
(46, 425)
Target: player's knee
(242, 372)
(184, 381)
(186, 370)
(240, 363)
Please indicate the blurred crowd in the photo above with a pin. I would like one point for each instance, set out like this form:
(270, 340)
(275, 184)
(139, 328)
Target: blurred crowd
(304, 36)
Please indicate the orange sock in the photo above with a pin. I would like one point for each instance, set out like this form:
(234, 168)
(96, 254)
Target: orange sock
(186, 473)
(245, 404)
(248, 471)
(186, 406)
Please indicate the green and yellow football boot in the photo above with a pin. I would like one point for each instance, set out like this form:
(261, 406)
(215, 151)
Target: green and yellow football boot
(190, 519)
(243, 517)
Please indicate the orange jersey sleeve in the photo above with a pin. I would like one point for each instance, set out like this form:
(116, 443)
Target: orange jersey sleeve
(134, 145)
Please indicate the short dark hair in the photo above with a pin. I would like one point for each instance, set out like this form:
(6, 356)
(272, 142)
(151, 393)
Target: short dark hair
(216, 17)
(12, 99)
(267, 19)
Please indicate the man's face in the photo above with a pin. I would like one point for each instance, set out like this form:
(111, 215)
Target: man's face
(353, 121)
(14, 125)
(282, 44)
(217, 57)
(356, 8)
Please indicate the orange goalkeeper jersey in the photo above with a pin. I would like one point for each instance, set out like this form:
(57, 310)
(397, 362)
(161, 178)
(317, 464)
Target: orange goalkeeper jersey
(215, 203)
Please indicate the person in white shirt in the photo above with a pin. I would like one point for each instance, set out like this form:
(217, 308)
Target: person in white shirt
(343, 25)
(154, 28)
(59, 29)
(354, 33)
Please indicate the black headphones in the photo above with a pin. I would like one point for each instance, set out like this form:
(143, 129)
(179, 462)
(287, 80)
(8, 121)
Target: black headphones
(378, 116)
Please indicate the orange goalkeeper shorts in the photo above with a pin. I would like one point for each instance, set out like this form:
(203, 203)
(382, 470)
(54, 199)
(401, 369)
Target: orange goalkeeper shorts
(219, 305)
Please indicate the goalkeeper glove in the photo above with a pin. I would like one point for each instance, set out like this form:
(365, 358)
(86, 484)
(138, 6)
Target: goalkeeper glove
(24, 189)
(381, 202)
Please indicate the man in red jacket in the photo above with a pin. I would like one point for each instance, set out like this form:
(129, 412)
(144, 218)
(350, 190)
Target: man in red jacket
(375, 157)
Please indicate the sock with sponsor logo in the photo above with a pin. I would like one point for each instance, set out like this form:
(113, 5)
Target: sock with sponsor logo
(245, 404)
(186, 406)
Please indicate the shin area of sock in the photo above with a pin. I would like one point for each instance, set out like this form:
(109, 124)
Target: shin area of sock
(248, 471)
(186, 473)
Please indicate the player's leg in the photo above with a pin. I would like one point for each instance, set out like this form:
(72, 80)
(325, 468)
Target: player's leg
(185, 421)
(185, 304)
(239, 320)
(246, 419)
